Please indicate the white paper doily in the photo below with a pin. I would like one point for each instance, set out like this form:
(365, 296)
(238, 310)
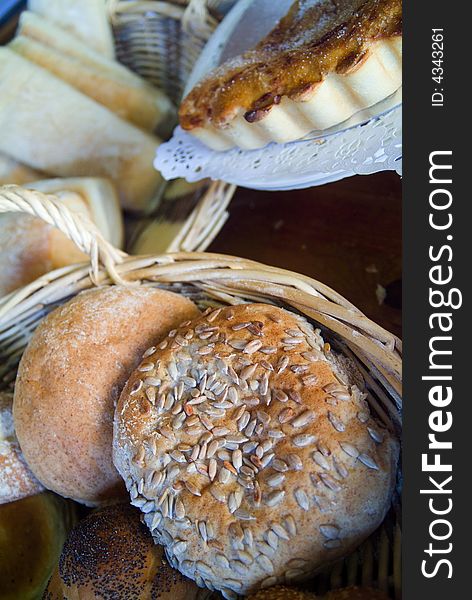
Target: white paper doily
(364, 149)
(357, 146)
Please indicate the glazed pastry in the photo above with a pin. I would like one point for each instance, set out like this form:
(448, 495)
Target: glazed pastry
(250, 449)
(322, 63)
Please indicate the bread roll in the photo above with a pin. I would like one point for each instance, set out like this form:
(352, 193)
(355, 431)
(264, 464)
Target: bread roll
(29, 247)
(87, 19)
(110, 554)
(269, 466)
(50, 126)
(70, 377)
(134, 101)
(16, 479)
(11, 171)
(33, 531)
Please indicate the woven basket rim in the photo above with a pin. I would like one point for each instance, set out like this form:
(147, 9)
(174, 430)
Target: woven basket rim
(226, 279)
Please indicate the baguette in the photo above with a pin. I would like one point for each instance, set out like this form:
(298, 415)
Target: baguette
(50, 126)
(87, 19)
(130, 98)
(11, 171)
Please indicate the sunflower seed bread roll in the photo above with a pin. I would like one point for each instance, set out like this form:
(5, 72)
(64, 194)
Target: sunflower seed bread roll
(16, 479)
(50, 126)
(251, 451)
(87, 19)
(69, 380)
(131, 98)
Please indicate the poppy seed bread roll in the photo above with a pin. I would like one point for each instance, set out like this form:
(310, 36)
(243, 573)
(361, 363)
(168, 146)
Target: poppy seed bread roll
(110, 554)
(70, 377)
(251, 451)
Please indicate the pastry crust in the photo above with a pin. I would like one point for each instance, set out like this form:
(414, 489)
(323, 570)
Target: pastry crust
(321, 64)
(250, 450)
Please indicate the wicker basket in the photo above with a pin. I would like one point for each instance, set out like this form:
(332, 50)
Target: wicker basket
(212, 279)
(161, 40)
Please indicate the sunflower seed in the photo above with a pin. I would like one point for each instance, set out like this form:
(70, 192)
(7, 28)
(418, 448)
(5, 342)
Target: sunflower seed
(247, 372)
(252, 347)
(282, 364)
(263, 417)
(276, 434)
(295, 396)
(279, 465)
(217, 493)
(303, 440)
(274, 498)
(368, 461)
(331, 544)
(179, 547)
(212, 469)
(330, 532)
(302, 499)
(363, 417)
(330, 483)
(290, 525)
(375, 435)
(280, 395)
(321, 461)
(271, 539)
(202, 529)
(336, 422)
(222, 561)
(268, 583)
(294, 462)
(237, 459)
(303, 419)
(265, 549)
(280, 531)
(243, 515)
(192, 488)
(269, 350)
(275, 480)
(224, 475)
(349, 449)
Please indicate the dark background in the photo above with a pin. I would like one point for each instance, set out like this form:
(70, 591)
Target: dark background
(346, 234)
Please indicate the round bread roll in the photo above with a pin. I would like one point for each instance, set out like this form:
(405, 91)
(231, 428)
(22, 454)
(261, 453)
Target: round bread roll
(32, 532)
(69, 380)
(251, 452)
(356, 593)
(281, 592)
(16, 479)
(110, 554)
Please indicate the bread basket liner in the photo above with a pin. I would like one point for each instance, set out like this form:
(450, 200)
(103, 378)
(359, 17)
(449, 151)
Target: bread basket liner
(211, 280)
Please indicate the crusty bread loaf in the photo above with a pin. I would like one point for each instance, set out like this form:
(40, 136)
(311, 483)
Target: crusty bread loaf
(87, 19)
(13, 172)
(29, 247)
(33, 531)
(16, 479)
(70, 377)
(110, 554)
(260, 459)
(133, 100)
(50, 126)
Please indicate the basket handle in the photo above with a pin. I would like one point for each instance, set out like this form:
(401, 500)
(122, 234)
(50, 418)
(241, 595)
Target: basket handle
(79, 229)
